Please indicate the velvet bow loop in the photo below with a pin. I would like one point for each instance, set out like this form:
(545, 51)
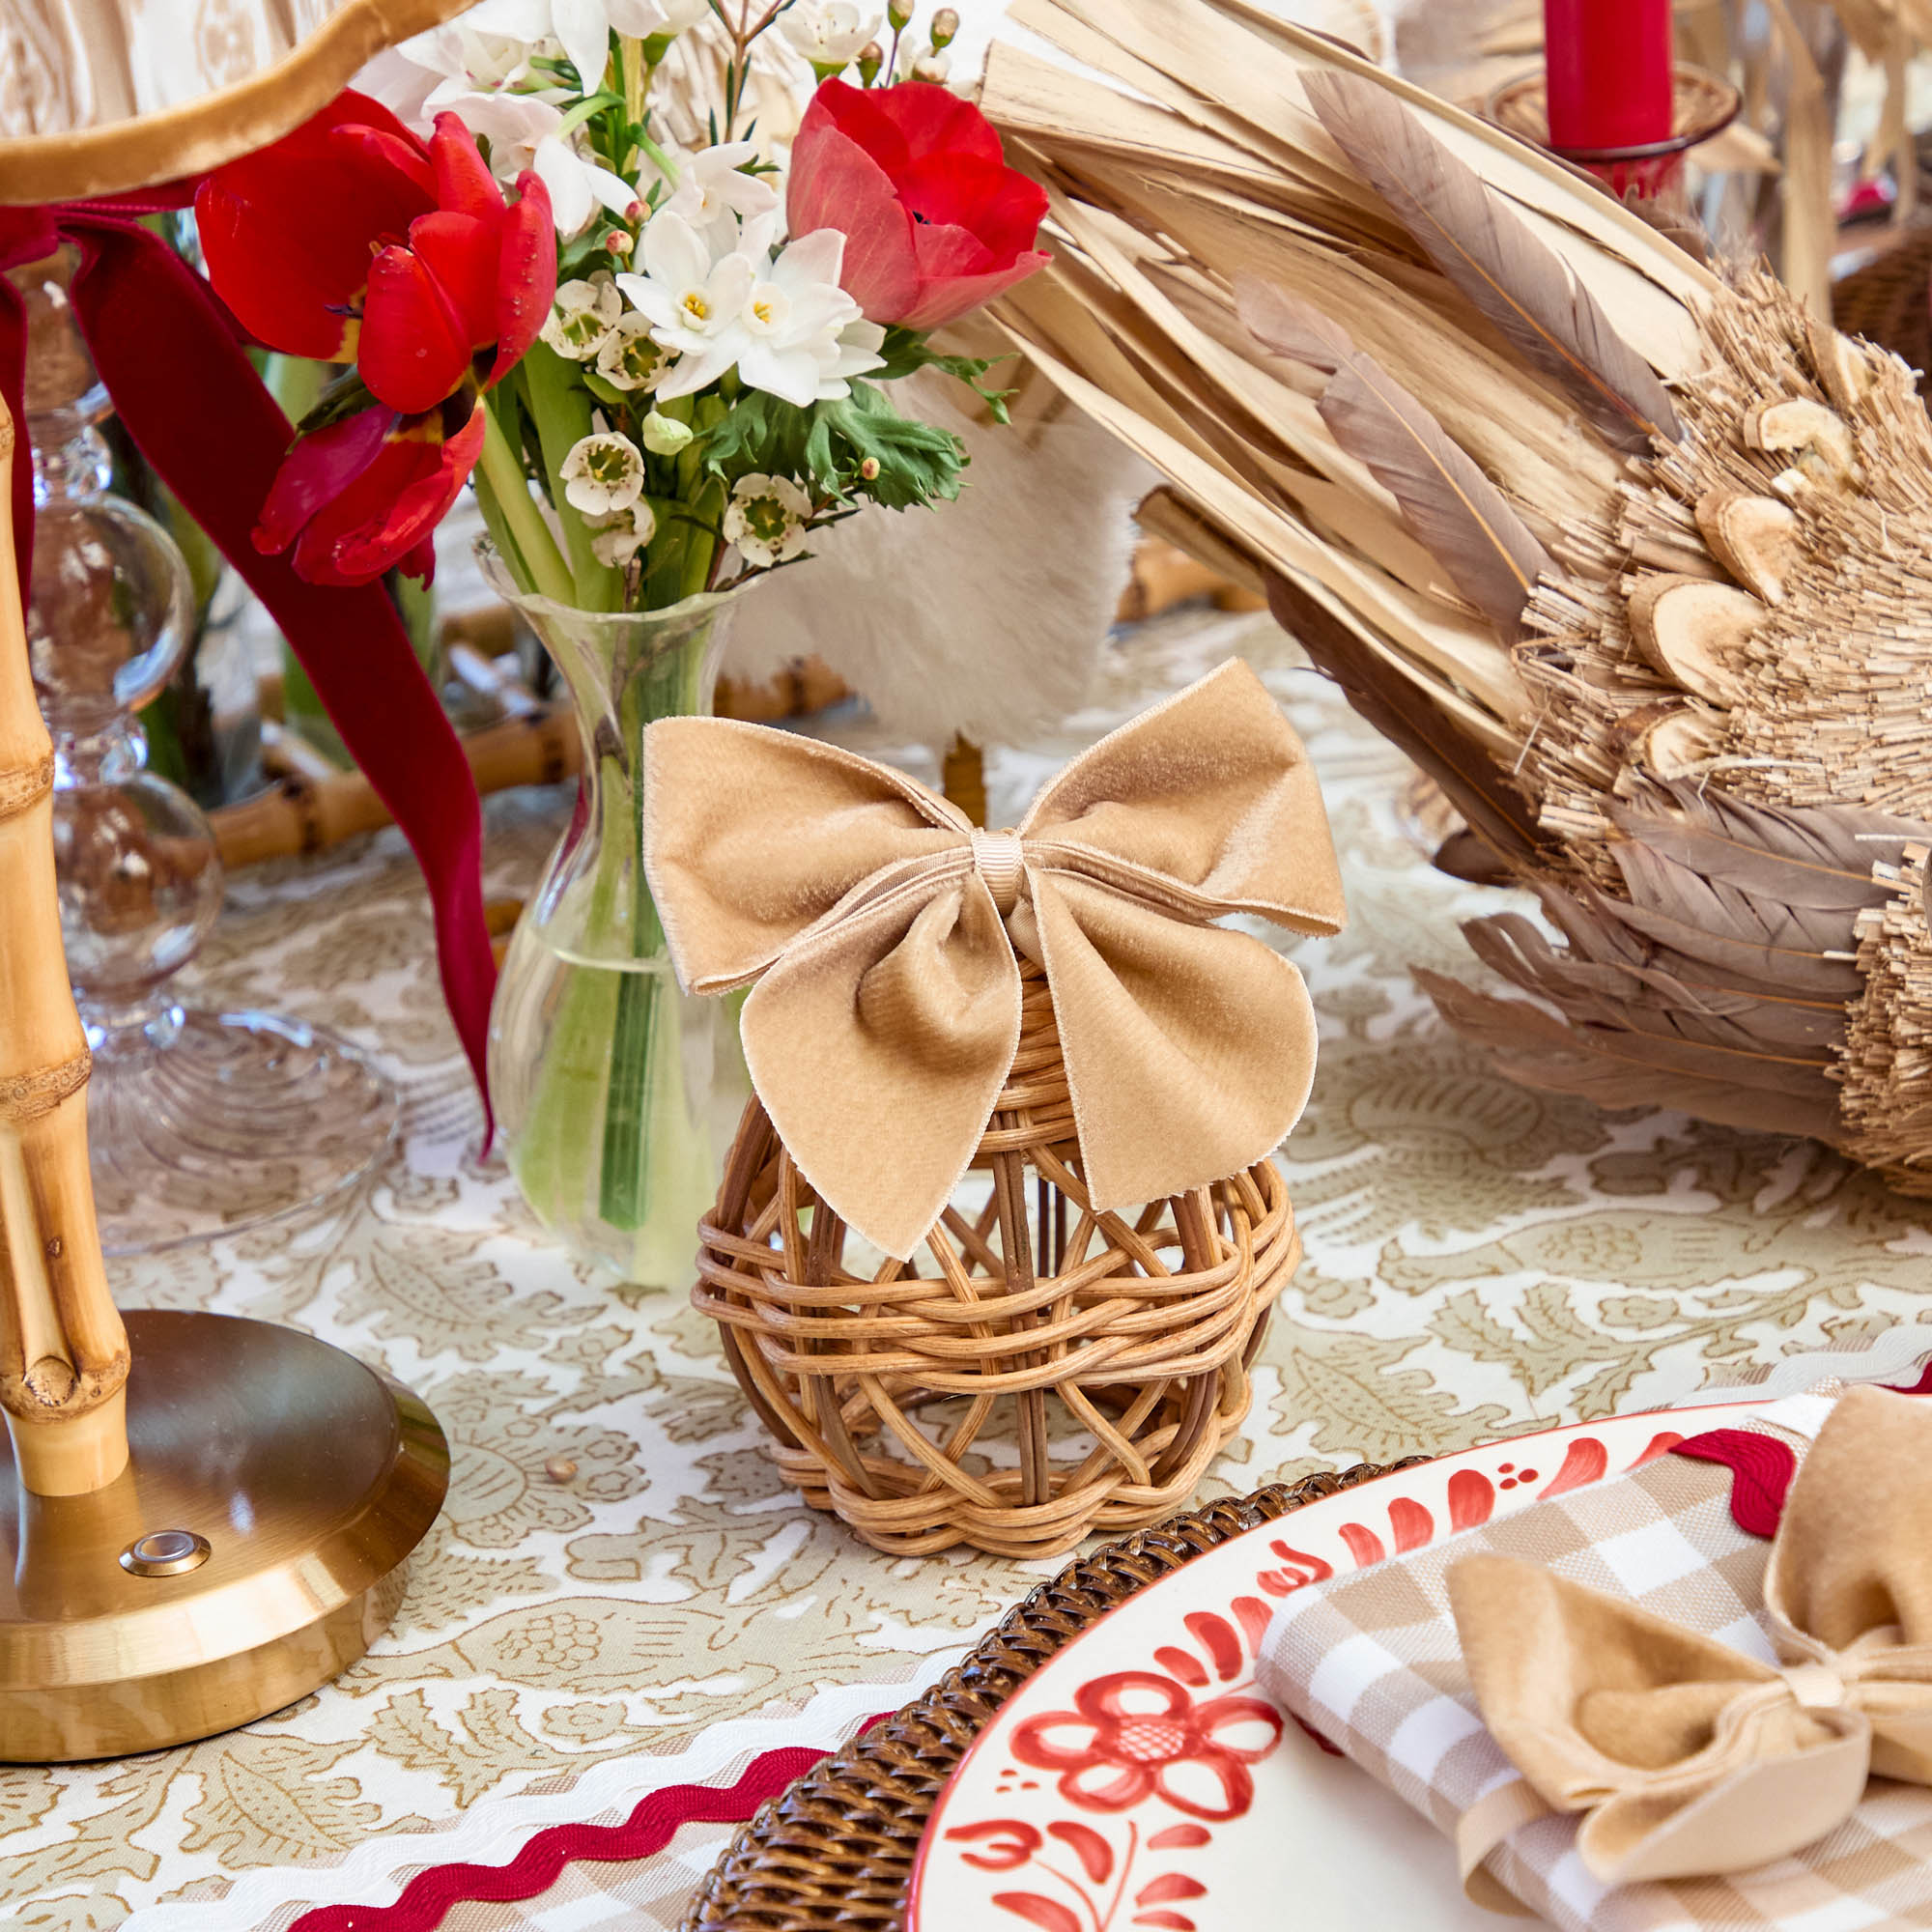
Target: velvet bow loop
(885, 932)
(1688, 1758)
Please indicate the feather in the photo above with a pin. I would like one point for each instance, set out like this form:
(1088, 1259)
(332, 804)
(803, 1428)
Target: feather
(1710, 755)
(1497, 261)
(1599, 925)
(1458, 516)
(1622, 1070)
(1455, 511)
(1496, 814)
(1710, 933)
(1590, 987)
(1292, 326)
(1822, 856)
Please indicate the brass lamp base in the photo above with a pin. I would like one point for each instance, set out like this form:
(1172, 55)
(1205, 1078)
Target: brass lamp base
(253, 1548)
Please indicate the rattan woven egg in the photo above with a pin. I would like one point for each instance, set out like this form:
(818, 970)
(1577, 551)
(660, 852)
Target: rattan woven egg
(1037, 1372)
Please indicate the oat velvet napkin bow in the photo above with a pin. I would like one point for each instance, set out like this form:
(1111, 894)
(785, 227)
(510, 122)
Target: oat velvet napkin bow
(1688, 1758)
(884, 932)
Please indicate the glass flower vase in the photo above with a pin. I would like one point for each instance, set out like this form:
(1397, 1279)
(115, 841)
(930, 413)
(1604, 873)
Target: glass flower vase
(616, 1095)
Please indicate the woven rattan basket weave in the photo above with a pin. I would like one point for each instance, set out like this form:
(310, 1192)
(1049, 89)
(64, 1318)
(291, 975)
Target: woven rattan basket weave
(837, 1850)
(1889, 299)
(1040, 1373)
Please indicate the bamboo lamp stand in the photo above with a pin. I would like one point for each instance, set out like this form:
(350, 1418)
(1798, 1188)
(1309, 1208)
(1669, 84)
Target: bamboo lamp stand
(1041, 1371)
(205, 1517)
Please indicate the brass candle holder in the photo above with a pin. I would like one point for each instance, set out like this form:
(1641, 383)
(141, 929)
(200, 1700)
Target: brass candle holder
(206, 1516)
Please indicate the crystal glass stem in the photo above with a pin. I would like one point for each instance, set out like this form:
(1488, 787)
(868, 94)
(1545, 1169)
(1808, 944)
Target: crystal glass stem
(199, 1122)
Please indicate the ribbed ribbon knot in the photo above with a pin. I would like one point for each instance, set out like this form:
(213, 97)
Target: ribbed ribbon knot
(1684, 1755)
(1000, 859)
(884, 931)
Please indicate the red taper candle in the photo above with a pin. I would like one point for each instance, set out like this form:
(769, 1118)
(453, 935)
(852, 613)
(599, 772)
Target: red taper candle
(1609, 65)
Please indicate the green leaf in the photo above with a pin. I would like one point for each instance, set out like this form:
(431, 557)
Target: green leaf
(918, 463)
(906, 351)
(582, 258)
(826, 448)
(348, 395)
(606, 391)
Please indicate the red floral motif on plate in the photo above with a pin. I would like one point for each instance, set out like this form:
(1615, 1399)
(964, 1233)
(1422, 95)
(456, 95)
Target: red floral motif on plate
(1137, 1734)
(1141, 1729)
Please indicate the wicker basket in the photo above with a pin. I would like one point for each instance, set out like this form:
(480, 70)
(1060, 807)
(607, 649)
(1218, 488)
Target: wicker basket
(1039, 1372)
(1887, 300)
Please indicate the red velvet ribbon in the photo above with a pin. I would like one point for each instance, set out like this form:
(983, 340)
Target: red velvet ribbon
(170, 356)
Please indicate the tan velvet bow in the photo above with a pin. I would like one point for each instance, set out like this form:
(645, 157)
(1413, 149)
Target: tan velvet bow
(1688, 1758)
(881, 928)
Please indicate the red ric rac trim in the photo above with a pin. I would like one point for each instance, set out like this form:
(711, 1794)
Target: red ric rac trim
(1761, 1470)
(429, 1896)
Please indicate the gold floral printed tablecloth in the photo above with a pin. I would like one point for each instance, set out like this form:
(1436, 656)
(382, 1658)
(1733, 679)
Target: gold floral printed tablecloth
(1481, 1261)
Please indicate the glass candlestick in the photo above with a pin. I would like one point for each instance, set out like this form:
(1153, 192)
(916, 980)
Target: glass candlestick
(200, 1122)
(1703, 105)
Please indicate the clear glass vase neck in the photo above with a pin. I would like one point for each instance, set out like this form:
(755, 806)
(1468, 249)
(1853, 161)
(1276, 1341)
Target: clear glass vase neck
(625, 668)
(615, 1089)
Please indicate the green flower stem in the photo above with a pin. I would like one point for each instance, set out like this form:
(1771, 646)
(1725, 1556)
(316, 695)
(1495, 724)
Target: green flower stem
(609, 1131)
(659, 159)
(516, 527)
(646, 1074)
(560, 407)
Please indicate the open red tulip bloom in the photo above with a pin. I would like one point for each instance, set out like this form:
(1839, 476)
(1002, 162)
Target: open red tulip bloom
(935, 223)
(351, 239)
(367, 492)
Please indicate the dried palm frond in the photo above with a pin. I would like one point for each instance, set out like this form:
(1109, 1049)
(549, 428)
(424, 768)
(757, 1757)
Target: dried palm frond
(1633, 558)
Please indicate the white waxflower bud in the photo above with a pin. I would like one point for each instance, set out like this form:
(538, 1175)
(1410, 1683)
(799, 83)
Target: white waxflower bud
(664, 436)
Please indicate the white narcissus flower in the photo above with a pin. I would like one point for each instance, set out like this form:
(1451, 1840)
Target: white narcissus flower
(693, 303)
(521, 129)
(827, 33)
(712, 185)
(793, 320)
(858, 345)
(577, 185)
(664, 436)
(765, 520)
(582, 317)
(415, 80)
(624, 536)
(603, 473)
(584, 27)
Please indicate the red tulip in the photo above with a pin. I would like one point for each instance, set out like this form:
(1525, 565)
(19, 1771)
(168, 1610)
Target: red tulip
(935, 223)
(353, 240)
(366, 493)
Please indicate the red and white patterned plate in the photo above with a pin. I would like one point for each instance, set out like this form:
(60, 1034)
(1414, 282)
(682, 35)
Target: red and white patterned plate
(1140, 1779)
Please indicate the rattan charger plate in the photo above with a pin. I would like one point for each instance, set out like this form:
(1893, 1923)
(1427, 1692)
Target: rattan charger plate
(837, 1847)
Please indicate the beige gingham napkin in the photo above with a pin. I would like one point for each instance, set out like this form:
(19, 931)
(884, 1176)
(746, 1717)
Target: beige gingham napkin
(1371, 1662)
